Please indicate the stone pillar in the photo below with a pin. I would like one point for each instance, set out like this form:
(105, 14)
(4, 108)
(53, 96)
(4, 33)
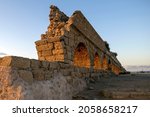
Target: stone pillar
(51, 47)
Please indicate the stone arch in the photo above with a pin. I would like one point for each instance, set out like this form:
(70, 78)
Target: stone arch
(81, 56)
(105, 62)
(97, 61)
(109, 65)
(115, 69)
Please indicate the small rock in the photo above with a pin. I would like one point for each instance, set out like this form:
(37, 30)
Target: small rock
(92, 81)
(91, 88)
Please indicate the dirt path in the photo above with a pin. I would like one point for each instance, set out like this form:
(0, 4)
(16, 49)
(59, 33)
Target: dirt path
(132, 86)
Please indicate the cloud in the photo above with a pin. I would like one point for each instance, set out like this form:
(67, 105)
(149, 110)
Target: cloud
(2, 54)
(138, 68)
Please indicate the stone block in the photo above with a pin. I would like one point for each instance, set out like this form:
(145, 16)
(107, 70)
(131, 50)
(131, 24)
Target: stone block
(83, 70)
(69, 79)
(68, 48)
(61, 25)
(38, 74)
(50, 58)
(53, 39)
(50, 45)
(45, 47)
(87, 75)
(35, 64)
(42, 58)
(39, 53)
(69, 55)
(47, 53)
(58, 45)
(54, 65)
(59, 57)
(26, 75)
(45, 64)
(64, 32)
(48, 75)
(71, 42)
(64, 65)
(73, 74)
(58, 51)
(77, 69)
(41, 42)
(66, 41)
(65, 72)
(42, 47)
(76, 74)
(18, 62)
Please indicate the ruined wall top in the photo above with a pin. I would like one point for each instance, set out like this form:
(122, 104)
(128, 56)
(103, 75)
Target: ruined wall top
(79, 21)
(60, 23)
(56, 15)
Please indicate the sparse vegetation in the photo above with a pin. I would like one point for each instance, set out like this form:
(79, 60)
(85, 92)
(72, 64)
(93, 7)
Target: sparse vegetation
(107, 45)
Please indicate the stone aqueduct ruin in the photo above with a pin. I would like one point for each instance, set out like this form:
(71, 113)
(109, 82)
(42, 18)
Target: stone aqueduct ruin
(69, 52)
(74, 41)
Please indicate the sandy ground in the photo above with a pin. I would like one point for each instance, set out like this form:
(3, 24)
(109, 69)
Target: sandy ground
(131, 86)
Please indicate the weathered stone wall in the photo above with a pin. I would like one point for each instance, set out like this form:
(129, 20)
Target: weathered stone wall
(22, 78)
(13, 86)
(74, 41)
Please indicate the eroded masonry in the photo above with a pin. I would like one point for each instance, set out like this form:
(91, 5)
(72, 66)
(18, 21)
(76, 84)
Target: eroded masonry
(69, 53)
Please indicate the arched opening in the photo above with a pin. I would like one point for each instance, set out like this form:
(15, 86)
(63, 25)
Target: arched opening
(115, 69)
(97, 62)
(105, 63)
(109, 65)
(81, 56)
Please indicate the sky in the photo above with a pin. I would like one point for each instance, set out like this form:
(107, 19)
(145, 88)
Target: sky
(124, 24)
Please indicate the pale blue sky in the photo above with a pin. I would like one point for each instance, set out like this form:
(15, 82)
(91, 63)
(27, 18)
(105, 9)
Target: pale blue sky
(125, 24)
